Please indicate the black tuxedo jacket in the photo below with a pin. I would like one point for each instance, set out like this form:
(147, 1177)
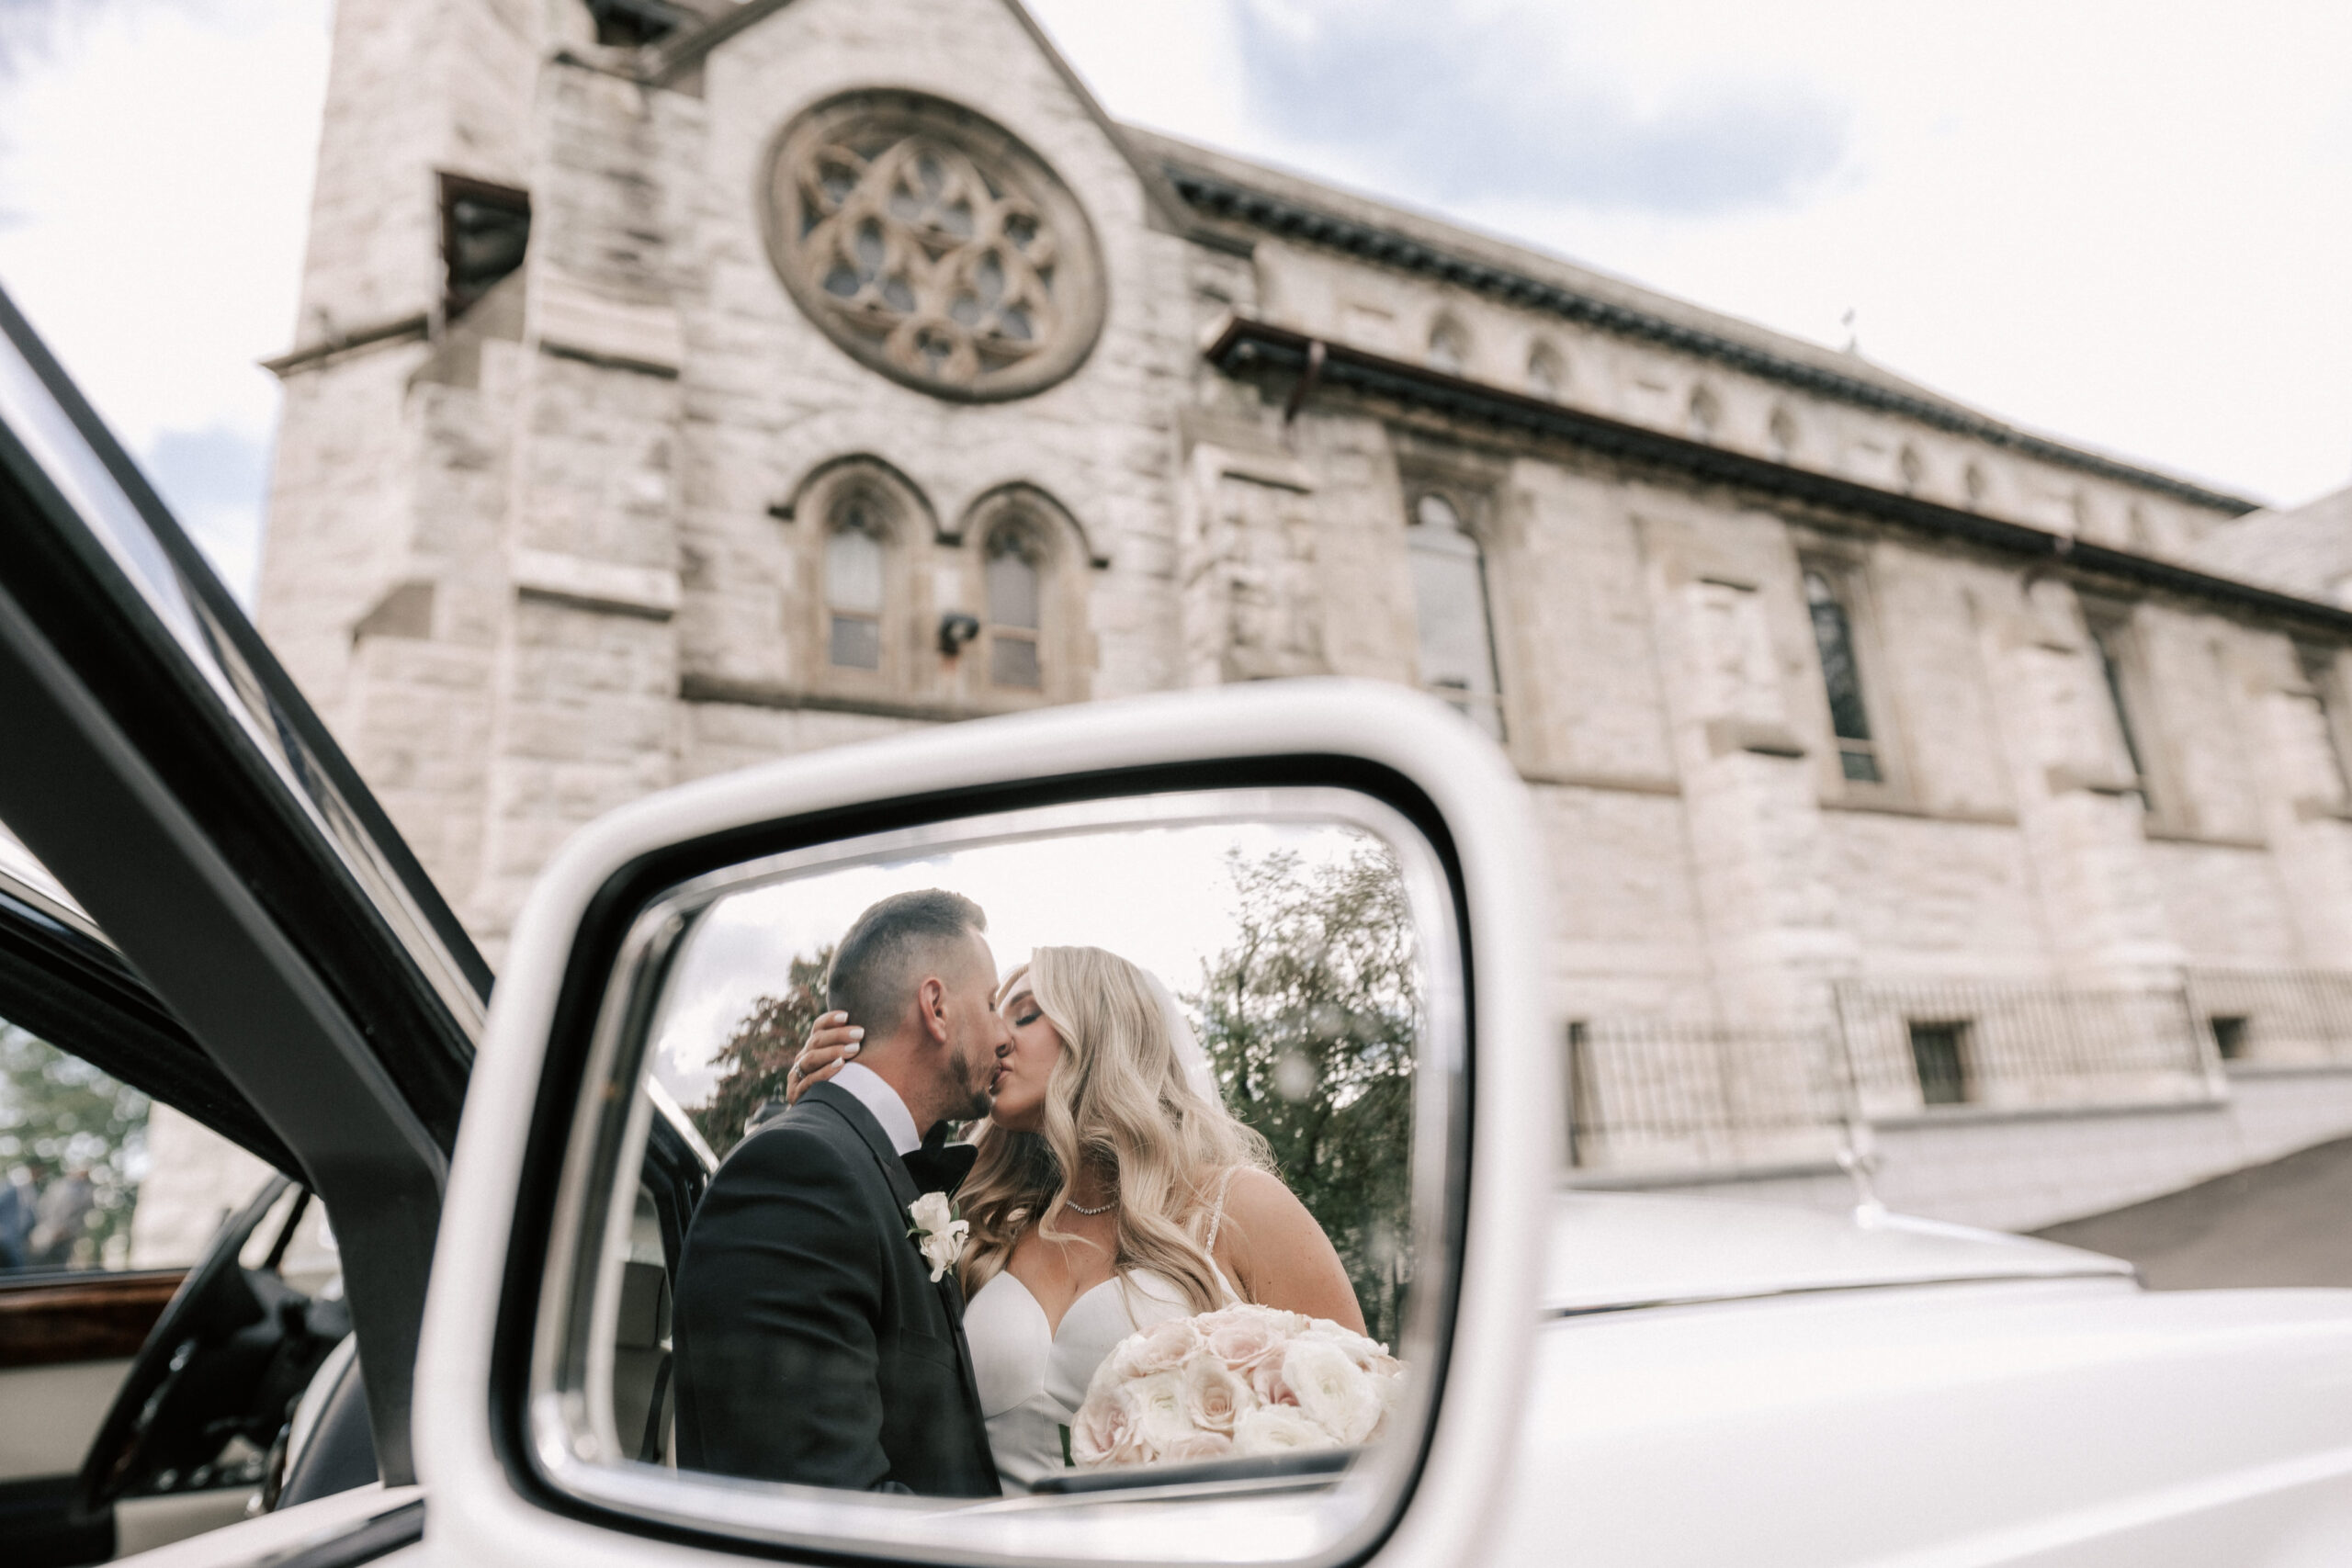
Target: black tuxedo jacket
(812, 1344)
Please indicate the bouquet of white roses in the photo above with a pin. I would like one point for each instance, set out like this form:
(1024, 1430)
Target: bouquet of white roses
(1232, 1384)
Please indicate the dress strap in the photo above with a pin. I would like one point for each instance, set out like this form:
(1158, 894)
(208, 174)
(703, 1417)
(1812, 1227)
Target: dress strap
(1216, 1215)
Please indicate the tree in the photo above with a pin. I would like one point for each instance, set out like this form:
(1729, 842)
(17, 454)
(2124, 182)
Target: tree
(63, 1111)
(759, 1053)
(1310, 1020)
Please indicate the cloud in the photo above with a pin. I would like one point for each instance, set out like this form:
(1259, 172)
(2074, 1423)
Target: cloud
(1465, 112)
(216, 480)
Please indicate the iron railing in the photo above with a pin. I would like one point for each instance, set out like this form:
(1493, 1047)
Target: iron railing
(1650, 1094)
(2275, 1016)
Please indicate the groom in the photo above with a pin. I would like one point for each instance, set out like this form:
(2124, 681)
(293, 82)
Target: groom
(812, 1344)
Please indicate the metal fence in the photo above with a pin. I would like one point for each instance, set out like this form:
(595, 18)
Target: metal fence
(2275, 1016)
(1658, 1093)
(1655, 1094)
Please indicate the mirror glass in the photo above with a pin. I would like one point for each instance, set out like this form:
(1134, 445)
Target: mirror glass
(1125, 1216)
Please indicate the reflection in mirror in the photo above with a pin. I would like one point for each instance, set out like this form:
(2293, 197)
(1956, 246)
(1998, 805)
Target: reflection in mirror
(1085, 1163)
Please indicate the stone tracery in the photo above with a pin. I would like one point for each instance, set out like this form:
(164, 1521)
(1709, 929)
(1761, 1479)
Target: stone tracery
(933, 247)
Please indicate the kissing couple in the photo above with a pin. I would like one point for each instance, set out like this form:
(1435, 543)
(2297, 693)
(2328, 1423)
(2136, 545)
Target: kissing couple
(824, 1337)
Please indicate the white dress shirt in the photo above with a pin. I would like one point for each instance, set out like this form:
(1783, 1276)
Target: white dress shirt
(875, 1094)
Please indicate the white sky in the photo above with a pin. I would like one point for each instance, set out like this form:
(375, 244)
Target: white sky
(2122, 223)
(1161, 898)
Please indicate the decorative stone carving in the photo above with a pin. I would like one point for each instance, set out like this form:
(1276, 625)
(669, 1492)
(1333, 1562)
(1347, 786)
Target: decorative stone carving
(932, 246)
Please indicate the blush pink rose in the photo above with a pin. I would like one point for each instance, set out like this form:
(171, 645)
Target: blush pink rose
(1103, 1431)
(1162, 1347)
(1213, 1395)
(1267, 1382)
(1243, 1337)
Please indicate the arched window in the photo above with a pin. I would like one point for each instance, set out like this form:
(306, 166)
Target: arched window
(1783, 431)
(1841, 672)
(1449, 598)
(1547, 373)
(1449, 346)
(1015, 573)
(1913, 469)
(854, 591)
(1975, 483)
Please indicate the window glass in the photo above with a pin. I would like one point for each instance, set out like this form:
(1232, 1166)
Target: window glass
(1151, 1234)
(95, 1176)
(1012, 611)
(2107, 641)
(1457, 648)
(853, 590)
(1833, 634)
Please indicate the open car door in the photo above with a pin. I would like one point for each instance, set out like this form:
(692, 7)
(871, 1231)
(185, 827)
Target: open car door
(280, 966)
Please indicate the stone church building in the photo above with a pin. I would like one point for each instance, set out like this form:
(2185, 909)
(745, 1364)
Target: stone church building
(681, 384)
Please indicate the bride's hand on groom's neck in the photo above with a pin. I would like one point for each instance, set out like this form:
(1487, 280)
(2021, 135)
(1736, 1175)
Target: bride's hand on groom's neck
(833, 1042)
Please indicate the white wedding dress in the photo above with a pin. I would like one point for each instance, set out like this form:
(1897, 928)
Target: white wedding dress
(1033, 1377)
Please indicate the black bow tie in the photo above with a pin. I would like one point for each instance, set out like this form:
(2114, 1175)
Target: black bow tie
(940, 1165)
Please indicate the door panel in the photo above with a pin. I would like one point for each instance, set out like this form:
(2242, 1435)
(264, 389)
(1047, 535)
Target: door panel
(49, 1414)
(85, 1317)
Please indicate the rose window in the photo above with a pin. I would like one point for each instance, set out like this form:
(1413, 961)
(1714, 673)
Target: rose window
(932, 246)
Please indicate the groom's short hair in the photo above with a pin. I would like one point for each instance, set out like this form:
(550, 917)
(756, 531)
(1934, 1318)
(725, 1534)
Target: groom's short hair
(874, 969)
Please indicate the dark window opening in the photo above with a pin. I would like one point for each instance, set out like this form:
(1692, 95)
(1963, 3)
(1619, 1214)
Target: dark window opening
(2229, 1037)
(1850, 720)
(2110, 663)
(627, 24)
(1939, 1055)
(484, 231)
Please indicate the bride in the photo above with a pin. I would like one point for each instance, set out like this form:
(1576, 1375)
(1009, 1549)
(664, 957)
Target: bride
(1113, 1190)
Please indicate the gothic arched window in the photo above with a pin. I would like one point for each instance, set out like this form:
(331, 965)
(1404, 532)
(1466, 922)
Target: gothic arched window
(1015, 595)
(854, 586)
(1457, 641)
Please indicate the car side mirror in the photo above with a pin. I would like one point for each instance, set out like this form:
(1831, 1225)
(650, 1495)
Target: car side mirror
(1233, 994)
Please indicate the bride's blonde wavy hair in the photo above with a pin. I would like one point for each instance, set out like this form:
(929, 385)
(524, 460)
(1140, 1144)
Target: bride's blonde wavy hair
(1117, 1099)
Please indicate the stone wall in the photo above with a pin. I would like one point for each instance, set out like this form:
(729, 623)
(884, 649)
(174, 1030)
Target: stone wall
(567, 548)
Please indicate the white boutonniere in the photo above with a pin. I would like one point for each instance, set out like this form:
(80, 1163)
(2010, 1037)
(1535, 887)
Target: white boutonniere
(939, 1231)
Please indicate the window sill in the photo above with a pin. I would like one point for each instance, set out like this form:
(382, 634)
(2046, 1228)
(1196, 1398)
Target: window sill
(2210, 840)
(1896, 807)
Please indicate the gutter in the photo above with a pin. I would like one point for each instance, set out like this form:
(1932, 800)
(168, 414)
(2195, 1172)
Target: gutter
(1291, 220)
(1245, 346)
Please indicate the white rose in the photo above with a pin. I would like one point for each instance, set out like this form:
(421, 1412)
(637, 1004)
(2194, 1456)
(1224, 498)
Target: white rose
(1213, 1395)
(1162, 1347)
(1103, 1431)
(942, 1248)
(1277, 1429)
(1330, 1389)
(937, 1232)
(1156, 1405)
(932, 1212)
(1365, 1353)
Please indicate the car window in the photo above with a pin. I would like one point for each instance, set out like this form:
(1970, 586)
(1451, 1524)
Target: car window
(1133, 1194)
(98, 1176)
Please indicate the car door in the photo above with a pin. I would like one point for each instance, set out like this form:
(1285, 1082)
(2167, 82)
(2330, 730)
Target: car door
(166, 771)
(102, 1094)
(303, 987)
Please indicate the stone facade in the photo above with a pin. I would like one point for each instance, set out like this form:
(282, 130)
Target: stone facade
(570, 545)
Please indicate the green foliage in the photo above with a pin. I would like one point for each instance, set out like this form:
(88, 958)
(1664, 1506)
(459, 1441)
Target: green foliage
(61, 1110)
(759, 1053)
(1309, 1019)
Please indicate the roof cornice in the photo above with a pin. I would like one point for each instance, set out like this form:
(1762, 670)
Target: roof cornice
(1244, 346)
(1294, 220)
